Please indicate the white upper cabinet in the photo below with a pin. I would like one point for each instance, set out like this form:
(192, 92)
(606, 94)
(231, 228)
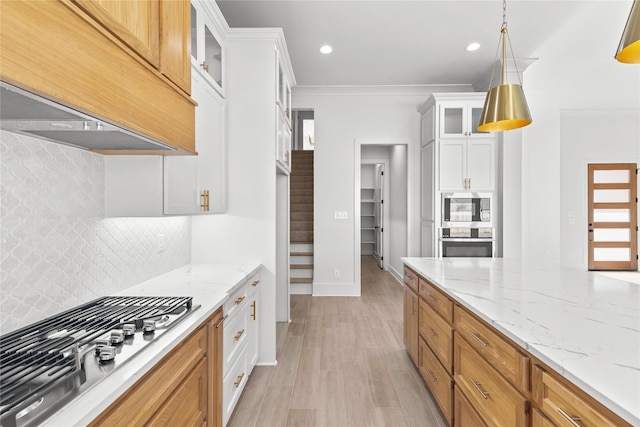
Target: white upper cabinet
(207, 48)
(283, 116)
(467, 165)
(459, 119)
(283, 90)
(197, 184)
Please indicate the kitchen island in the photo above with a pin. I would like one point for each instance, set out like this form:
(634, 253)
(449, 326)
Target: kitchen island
(580, 325)
(209, 285)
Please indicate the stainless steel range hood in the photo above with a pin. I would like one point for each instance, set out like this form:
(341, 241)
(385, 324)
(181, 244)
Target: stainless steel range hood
(30, 114)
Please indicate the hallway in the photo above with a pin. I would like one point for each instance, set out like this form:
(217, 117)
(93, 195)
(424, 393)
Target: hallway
(341, 363)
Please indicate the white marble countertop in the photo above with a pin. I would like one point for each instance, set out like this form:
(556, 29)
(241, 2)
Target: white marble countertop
(584, 325)
(209, 285)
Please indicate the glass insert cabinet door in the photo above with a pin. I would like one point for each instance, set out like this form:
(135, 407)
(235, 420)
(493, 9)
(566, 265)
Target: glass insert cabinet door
(613, 216)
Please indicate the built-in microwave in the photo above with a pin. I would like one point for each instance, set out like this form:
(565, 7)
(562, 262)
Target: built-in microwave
(466, 209)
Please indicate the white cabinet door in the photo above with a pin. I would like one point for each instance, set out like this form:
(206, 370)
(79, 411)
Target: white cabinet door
(480, 165)
(187, 178)
(207, 49)
(460, 119)
(283, 145)
(467, 165)
(453, 165)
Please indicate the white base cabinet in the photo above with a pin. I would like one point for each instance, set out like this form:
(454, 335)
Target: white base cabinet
(240, 348)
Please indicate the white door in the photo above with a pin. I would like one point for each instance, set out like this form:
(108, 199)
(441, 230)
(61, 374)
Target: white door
(379, 215)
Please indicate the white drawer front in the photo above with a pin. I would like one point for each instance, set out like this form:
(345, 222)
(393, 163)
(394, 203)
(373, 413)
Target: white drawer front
(237, 300)
(235, 336)
(232, 386)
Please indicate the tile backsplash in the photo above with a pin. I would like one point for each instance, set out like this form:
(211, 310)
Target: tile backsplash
(56, 248)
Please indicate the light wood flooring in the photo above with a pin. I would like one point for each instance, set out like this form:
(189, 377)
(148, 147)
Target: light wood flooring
(342, 363)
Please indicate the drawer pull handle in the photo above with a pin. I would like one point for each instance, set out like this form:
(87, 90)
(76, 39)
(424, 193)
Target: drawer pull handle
(573, 420)
(432, 298)
(239, 300)
(240, 377)
(222, 321)
(433, 378)
(479, 339)
(434, 333)
(478, 387)
(255, 283)
(253, 305)
(238, 335)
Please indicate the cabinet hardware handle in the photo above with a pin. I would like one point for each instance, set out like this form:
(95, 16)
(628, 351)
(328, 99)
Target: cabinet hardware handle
(479, 339)
(432, 298)
(478, 387)
(239, 300)
(433, 378)
(255, 283)
(434, 333)
(221, 321)
(253, 315)
(205, 200)
(573, 420)
(205, 66)
(469, 183)
(413, 305)
(238, 335)
(240, 377)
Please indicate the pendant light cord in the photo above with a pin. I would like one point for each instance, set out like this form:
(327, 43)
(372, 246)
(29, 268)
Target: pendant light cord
(503, 39)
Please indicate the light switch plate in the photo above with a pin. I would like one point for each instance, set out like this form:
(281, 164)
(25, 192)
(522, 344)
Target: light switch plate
(340, 215)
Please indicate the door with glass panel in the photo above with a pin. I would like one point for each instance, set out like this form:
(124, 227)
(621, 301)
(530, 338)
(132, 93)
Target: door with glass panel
(613, 216)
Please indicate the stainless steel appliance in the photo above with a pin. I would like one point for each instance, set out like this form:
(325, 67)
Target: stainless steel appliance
(466, 209)
(45, 365)
(467, 242)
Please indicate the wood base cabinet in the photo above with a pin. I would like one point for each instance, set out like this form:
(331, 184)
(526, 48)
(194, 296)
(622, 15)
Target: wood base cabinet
(184, 388)
(492, 380)
(411, 322)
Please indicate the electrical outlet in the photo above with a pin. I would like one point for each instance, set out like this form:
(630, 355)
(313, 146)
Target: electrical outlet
(336, 273)
(161, 242)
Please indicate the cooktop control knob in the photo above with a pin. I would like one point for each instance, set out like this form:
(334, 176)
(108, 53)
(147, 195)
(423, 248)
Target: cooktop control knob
(149, 326)
(117, 336)
(101, 343)
(107, 353)
(128, 330)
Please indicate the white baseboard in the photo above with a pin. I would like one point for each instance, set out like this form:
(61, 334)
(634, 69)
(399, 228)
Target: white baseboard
(399, 277)
(335, 290)
(300, 288)
(274, 363)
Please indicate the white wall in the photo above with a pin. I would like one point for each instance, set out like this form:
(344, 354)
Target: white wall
(247, 232)
(343, 116)
(575, 71)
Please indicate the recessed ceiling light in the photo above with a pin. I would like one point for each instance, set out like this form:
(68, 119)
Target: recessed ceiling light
(326, 49)
(473, 46)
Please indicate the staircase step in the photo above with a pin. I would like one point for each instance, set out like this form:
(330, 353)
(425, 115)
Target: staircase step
(302, 207)
(301, 266)
(301, 216)
(302, 172)
(301, 192)
(301, 226)
(303, 178)
(301, 254)
(296, 200)
(301, 237)
(301, 280)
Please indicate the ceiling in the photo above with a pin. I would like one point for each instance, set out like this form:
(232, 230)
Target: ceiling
(400, 42)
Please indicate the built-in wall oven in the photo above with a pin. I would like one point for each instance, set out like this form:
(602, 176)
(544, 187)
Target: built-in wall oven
(467, 226)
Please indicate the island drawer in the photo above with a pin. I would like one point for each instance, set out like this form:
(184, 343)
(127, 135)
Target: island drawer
(437, 379)
(494, 398)
(437, 333)
(564, 405)
(436, 299)
(496, 350)
(411, 279)
(464, 414)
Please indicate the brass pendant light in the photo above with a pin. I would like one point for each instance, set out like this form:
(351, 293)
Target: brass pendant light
(629, 48)
(505, 107)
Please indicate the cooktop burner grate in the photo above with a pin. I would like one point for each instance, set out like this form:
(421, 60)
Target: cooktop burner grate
(36, 357)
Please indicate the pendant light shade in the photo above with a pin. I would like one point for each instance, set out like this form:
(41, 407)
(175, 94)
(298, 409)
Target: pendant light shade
(505, 107)
(629, 48)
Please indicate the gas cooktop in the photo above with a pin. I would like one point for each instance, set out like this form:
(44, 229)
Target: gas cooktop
(47, 364)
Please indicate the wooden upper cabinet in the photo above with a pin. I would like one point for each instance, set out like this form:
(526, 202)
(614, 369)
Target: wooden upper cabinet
(137, 23)
(175, 42)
